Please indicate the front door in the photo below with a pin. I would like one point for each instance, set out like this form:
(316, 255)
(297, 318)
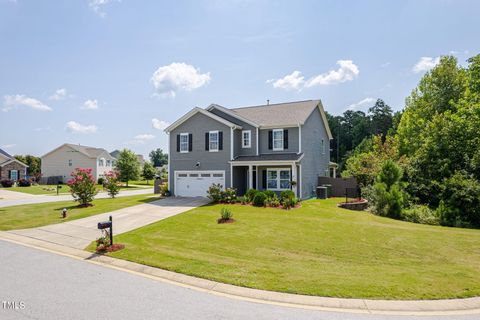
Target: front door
(14, 175)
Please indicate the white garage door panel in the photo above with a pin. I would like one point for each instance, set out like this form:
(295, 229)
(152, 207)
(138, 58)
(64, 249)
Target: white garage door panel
(196, 183)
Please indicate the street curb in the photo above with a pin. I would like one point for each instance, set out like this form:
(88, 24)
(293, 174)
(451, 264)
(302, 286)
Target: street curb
(389, 307)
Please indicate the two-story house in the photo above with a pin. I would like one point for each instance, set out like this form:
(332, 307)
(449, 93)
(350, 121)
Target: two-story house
(62, 161)
(269, 147)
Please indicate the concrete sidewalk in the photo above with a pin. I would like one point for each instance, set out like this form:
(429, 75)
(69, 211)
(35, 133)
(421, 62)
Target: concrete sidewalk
(80, 233)
(32, 199)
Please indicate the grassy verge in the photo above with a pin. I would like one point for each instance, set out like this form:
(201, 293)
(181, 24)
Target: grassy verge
(52, 189)
(145, 183)
(318, 249)
(36, 215)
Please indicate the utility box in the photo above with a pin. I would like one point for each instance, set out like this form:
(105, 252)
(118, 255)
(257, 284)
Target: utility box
(329, 190)
(157, 183)
(321, 192)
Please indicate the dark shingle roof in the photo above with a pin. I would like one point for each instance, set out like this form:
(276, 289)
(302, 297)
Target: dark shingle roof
(5, 153)
(270, 157)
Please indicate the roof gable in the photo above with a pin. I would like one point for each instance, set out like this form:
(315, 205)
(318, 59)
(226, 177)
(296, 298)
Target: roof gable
(232, 113)
(13, 160)
(196, 110)
(89, 152)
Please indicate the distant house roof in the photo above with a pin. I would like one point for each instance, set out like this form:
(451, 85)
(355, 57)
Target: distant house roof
(90, 152)
(115, 153)
(271, 157)
(5, 153)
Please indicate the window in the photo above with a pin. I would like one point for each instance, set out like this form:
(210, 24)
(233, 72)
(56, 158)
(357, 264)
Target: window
(193, 175)
(278, 139)
(108, 163)
(113, 163)
(182, 175)
(246, 138)
(183, 142)
(70, 163)
(323, 146)
(14, 175)
(278, 179)
(213, 141)
(100, 162)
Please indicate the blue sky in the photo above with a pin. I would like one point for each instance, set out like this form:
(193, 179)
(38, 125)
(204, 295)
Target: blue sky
(112, 74)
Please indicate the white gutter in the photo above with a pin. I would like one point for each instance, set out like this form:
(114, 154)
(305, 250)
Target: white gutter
(257, 141)
(299, 138)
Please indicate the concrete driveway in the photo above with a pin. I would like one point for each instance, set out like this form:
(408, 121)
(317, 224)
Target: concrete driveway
(79, 233)
(14, 195)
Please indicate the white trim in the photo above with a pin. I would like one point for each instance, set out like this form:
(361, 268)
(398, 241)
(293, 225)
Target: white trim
(231, 113)
(13, 160)
(278, 178)
(273, 139)
(183, 134)
(249, 139)
(231, 143)
(196, 110)
(299, 138)
(210, 141)
(250, 177)
(168, 164)
(266, 162)
(299, 185)
(283, 126)
(231, 176)
(256, 136)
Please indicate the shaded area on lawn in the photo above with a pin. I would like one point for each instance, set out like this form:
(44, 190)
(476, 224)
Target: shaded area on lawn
(318, 249)
(36, 215)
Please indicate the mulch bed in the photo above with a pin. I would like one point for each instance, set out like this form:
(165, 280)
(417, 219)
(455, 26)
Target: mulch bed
(112, 248)
(225, 220)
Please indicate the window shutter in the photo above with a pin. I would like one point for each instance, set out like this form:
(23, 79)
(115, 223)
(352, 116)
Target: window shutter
(190, 144)
(207, 141)
(9, 174)
(178, 143)
(270, 139)
(220, 140)
(264, 179)
(285, 139)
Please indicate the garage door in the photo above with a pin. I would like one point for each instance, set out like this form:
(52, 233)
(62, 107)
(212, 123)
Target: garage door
(196, 183)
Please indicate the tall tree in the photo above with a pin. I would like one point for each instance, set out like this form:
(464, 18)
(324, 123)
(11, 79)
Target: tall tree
(128, 166)
(381, 118)
(148, 171)
(34, 164)
(158, 158)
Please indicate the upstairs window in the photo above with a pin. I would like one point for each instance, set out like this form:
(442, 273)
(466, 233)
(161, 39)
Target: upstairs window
(213, 141)
(108, 163)
(246, 138)
(322, 146)
(278, 139)
(184, 142)
(101, 162)
(70, 163)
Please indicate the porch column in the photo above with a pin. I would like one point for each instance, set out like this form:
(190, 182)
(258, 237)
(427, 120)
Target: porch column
(250, 177)
(334, 172)
(294, 178)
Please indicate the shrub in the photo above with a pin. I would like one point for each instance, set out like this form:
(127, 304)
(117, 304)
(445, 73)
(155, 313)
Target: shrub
(7, 183)
(272, 201)
(420, 214)
(101, 181)
(259, 199)
(269, 193)
(250, 194)
(110, 183)
(287, 194)
(214, 192)
(229, 195)
(460, 206)
(289, 203)
(24, 183)
(388, 199)
(82, 186)
(226, 214)
(164, 190)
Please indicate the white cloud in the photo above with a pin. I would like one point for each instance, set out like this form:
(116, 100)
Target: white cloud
(76, 127)
(98, 5)
(90, 105)
(295, 81)
(142, 138)
(425, 64)
(59, 94)
(360, 104)
(159, 124)
(347, 72)
(12, 101)
(167, 80)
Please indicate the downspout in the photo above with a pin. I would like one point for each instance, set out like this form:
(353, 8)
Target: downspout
(299, 138)
(257, 139)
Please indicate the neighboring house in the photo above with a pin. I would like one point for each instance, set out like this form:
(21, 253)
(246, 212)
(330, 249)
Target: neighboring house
(11, 168)
(261, 147)
(140, 158)
(61, 161)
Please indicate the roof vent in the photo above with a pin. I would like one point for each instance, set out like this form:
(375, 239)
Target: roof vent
(268, 102)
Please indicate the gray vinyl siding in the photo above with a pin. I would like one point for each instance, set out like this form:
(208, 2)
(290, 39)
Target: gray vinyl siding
(238, 150)
(314, 162)
(292, 141)
(197, 125)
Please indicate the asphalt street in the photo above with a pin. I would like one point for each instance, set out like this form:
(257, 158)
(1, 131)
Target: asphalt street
(45, 285)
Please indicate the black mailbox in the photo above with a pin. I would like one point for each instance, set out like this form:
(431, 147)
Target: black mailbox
(104, 224)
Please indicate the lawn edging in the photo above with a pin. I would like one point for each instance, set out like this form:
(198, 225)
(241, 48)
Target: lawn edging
(390, 307)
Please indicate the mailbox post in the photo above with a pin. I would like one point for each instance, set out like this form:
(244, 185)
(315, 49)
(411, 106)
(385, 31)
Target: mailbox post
(107, 224)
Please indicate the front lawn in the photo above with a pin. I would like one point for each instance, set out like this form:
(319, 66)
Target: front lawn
(145, 183)
(52, 189)
(36, 215)
(318, 249)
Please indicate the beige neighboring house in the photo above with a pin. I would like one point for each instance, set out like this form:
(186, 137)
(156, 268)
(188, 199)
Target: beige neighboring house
(60, 162)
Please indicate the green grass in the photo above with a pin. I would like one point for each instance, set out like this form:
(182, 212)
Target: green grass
(318, 249)
(52, 189)
(36, 215)
(142, 182)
